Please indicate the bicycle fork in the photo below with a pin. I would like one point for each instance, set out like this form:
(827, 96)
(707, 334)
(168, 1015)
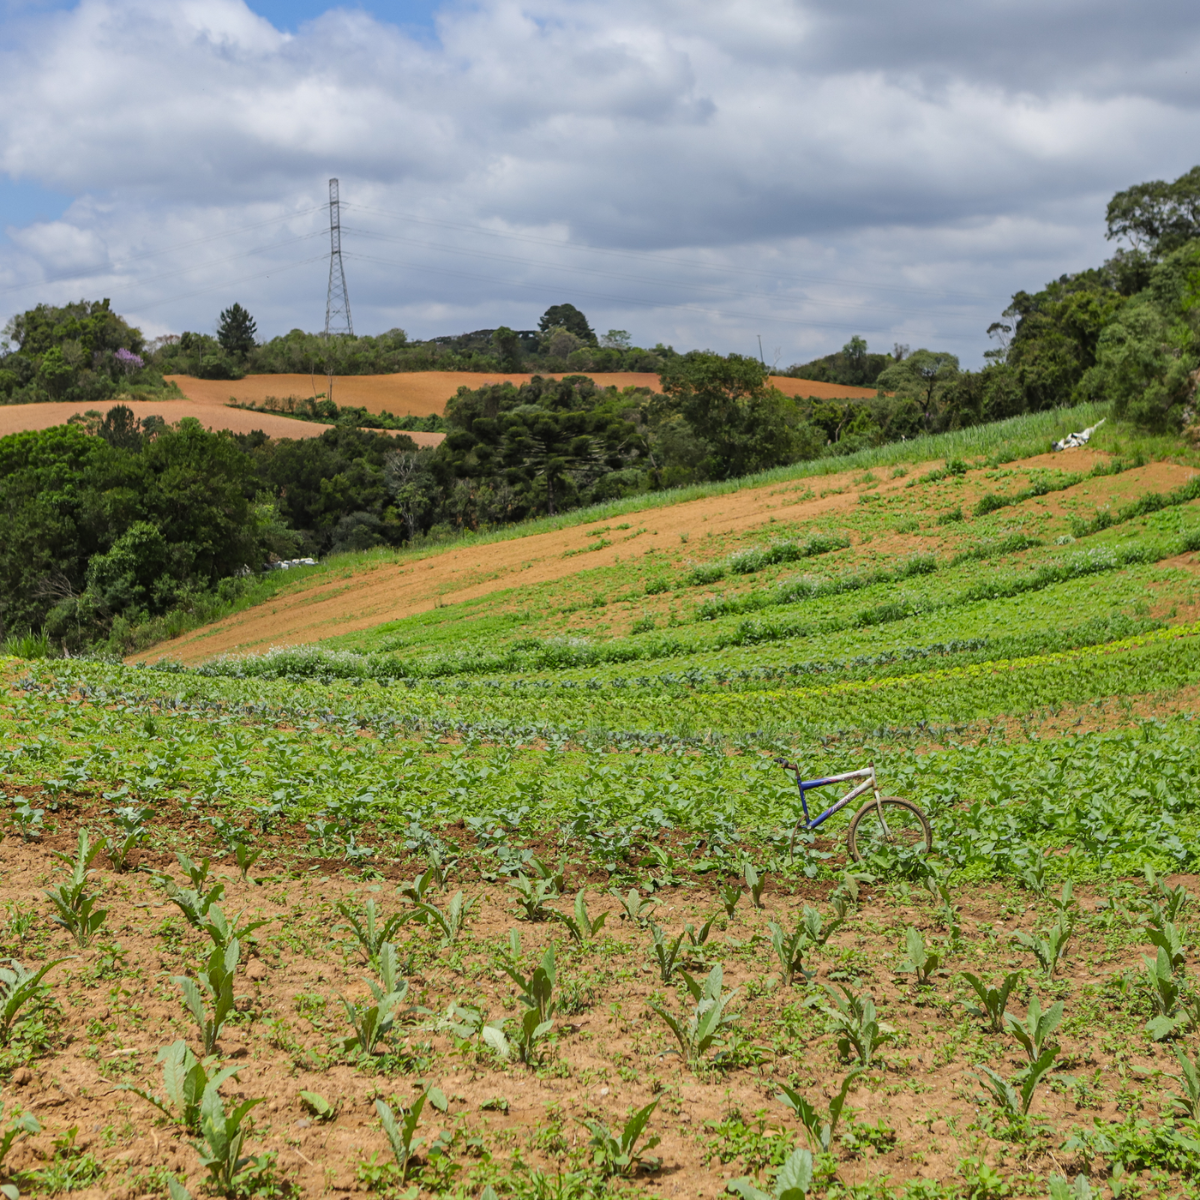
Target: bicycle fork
(887, 833)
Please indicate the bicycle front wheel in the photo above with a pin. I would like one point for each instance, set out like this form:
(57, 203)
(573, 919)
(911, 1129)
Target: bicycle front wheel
(903, 825)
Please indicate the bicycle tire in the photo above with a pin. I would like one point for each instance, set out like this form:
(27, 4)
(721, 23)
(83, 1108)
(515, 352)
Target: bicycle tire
(910, 829)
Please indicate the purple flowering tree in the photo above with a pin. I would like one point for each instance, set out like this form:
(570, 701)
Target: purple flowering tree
(128, 361)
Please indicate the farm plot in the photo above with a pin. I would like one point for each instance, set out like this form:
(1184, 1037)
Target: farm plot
(505, 897)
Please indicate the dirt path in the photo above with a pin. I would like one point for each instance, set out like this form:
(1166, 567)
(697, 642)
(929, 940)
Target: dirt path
(388, 591)
(420, 393)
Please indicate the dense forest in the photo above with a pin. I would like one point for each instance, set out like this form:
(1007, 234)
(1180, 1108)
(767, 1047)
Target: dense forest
(112, 522)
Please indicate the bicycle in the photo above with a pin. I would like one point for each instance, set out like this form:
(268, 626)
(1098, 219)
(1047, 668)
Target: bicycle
(897, 822)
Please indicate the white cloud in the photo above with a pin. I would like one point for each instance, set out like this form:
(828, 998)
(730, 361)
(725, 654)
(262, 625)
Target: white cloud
(958, 151)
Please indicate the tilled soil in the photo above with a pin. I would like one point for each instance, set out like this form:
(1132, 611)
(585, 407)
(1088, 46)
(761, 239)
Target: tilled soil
(115, 1005)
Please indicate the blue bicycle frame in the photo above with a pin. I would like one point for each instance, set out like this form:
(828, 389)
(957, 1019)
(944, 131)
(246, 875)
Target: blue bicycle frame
(869, 784)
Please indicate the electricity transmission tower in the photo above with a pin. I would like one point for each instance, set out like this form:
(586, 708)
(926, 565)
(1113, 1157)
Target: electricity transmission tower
(337, 300)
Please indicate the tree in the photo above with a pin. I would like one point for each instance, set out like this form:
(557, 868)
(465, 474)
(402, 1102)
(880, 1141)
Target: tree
(236, 332)
(748, 425)
(567, 316)
(508, 347)
(922, 376)
(616, 339)
(1157, 217)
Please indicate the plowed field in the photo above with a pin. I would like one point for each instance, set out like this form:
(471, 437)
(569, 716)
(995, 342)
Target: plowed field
(420, 393)
(214, 414)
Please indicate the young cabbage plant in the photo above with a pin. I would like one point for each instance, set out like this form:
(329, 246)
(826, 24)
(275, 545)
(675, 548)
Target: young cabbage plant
(730, 894)
(1166, 937)
(19, 990)
(193, 903)
(1187, 1104)
(536, 1024)
(75, 906)
(532, 895)
(244, 857)
(698, 1032)
(789, 951)
(185, 1080)
(755, 882)
(636, 909)
(666, 952)
(372, 1022)
(371, 928)
(1166, 901)
(416, 889)
(401, 1135)
(581, 927)
(1052, 948)
(19, 1125)
(921, 961)
(993, 1000)
(222, 1138)
(1015, 1103)
(856, 1025)
(209, 997)
(793, 1180)
(131, 821)
(816, 930)
(818, 1127)
(222, 932)
(620, 1155)
(1166, 991)
(1034, 1031)
(698, 938)
(450, 921)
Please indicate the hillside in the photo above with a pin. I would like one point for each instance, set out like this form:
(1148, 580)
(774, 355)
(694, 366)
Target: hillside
(420, 393)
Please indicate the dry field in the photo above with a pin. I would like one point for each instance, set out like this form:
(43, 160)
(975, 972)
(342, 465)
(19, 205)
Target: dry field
(421, 393)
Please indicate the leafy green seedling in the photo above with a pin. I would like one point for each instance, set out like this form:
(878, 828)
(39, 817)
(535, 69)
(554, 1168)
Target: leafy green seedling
(19, 1125)
(1167, 938)
(1034, 876)
(185, 1079)
(401, 1135)
(620, 1155)
(1051, 949)
(214, 985)
(1165, 993)
(1034, 1031)
(1174, 899)
(196, 873)
(318, 1106)
(814, 928)
(698, 938)
(131, 821)
(581, 927)
(416, 889)
(532, 895)
(1016, 1104)
(993, 1000)
(76, 906)
(789, 951)
(730, 894)
(755, 882)
(1066, 902)
(222, 933)
(245, 858)
(698, 1032)
(441, 863)
(666, 952)
(371, 1022)
(18, 989)
(856, 1025)
(27, 819)
(450, 921)
(1060, 1188)
(223, 1135)
(371, 929)
(554, 876)
(820, 1130)
(1188, 1103)
(793, 1181)
(636, 909)
(193, 903)
(921, 961)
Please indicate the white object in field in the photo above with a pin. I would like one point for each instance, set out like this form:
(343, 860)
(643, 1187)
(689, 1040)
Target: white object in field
(1072, 440)
(288, 563)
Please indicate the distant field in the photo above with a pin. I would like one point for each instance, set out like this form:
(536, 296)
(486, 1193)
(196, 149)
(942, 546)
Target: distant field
(421, 393)
(17, 418)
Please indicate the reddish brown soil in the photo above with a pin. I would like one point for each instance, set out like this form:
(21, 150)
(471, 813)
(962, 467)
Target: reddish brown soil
(421, 393)
(214, 414)
(609, 1055)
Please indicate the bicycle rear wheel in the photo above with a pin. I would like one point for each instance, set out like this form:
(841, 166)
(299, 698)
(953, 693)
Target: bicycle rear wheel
(903, 825)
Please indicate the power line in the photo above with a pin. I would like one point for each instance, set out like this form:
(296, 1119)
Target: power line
(737, 316)
(658, 258)
(132, 258)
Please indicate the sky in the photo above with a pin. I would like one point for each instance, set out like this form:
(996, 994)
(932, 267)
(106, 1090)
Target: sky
(706, 174)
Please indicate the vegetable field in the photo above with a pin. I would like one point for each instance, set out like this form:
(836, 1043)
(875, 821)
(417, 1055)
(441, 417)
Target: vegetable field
(502, 898)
